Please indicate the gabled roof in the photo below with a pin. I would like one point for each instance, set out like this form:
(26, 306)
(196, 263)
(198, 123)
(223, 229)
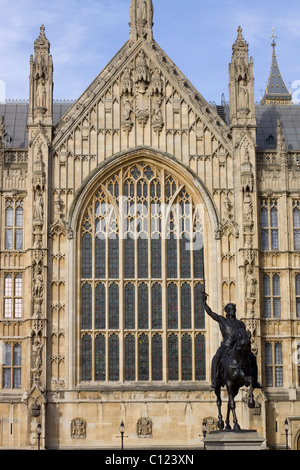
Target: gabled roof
(276, 91)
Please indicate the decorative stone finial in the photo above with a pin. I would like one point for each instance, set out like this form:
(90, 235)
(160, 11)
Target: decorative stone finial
(141, 20)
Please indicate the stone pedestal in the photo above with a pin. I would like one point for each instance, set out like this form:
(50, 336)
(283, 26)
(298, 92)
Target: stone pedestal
(233, 440)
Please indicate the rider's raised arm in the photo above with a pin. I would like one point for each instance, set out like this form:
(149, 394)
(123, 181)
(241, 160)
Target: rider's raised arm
(212, 314)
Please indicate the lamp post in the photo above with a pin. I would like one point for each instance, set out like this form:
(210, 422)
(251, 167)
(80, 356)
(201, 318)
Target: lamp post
(286, 429)
(122, 427)
(39, 432)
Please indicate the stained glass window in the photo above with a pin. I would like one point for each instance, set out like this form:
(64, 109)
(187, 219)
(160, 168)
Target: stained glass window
(129, 306)
(143, 303)
(100, 307)
(157, 373)
(143, 357)
(172, 306)
(173, 357)
(130, 357)
(114, 358)
(100, 358)
(137, 272)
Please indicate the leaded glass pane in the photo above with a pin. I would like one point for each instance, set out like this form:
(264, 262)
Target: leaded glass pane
(173, 357)
(185, 257)
(296, 217)
(265, 239)
(199, 307)
(200, 357)
(6, 378)
(278, 376)
(9, 217)
(172, 306)
(113, 306)
(274, 239)
(100, 307)
(86, 358)
(172, 256)
(278, 353)
(86, 258)
(297, 282)
(113, 261)
(269, 376)
(266, 285)
(274, 217)
(87, 303)
(129, 245)
(142, 258)
(17, 355)
(156, 306)
(129, 306)
(157, 372)
(8, 239)
(19, 217)
(296, 239)
(17, 378)
(186, 308)
(156, 258)
(100, 258)
(113, 363)
(267, 308)
(186, 355)
(130, 357)
(7, 354)
(143, 347)
(198, 262)
(143, 302)
(264, 217)
(268, 354)
(100, 358)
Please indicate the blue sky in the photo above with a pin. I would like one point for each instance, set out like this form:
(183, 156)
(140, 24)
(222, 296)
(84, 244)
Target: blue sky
(196, 34)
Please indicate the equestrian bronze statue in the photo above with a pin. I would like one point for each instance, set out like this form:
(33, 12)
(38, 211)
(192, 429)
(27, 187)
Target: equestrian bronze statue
(234, 365)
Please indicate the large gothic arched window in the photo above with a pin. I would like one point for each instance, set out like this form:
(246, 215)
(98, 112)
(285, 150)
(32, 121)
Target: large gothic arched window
(141, 277)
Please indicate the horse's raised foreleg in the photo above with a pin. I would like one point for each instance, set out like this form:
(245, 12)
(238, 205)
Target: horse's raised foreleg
(219, 405)
(231, 407)
(251, 401)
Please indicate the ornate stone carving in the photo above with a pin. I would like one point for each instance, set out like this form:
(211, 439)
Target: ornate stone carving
(144, 428)
(78, 428)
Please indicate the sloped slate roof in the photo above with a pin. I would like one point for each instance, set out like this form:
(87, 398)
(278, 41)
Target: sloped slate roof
(15, 115)
(267, 116)
(15, 118)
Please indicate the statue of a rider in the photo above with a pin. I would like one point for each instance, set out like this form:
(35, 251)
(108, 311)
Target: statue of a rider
(228, 326)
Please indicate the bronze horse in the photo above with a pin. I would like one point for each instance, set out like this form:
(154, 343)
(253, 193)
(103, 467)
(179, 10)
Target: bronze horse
(234, 373)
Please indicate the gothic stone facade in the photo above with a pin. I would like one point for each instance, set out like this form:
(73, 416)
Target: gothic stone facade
(115, 210)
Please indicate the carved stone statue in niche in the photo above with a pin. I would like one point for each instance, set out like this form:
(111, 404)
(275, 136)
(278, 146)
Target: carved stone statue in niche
(38, 207)
(38, 284)
(248, 208)
(250, 282)
(243, 96)
(41, 94)
(37, 349)
(142, 13)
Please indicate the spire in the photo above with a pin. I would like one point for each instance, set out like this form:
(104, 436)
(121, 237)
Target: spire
(276, 92)
(141, 20)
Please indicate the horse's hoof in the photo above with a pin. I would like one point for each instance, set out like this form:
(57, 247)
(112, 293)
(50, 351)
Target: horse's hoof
(237, 427)
(227, 427)
(221, 425)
